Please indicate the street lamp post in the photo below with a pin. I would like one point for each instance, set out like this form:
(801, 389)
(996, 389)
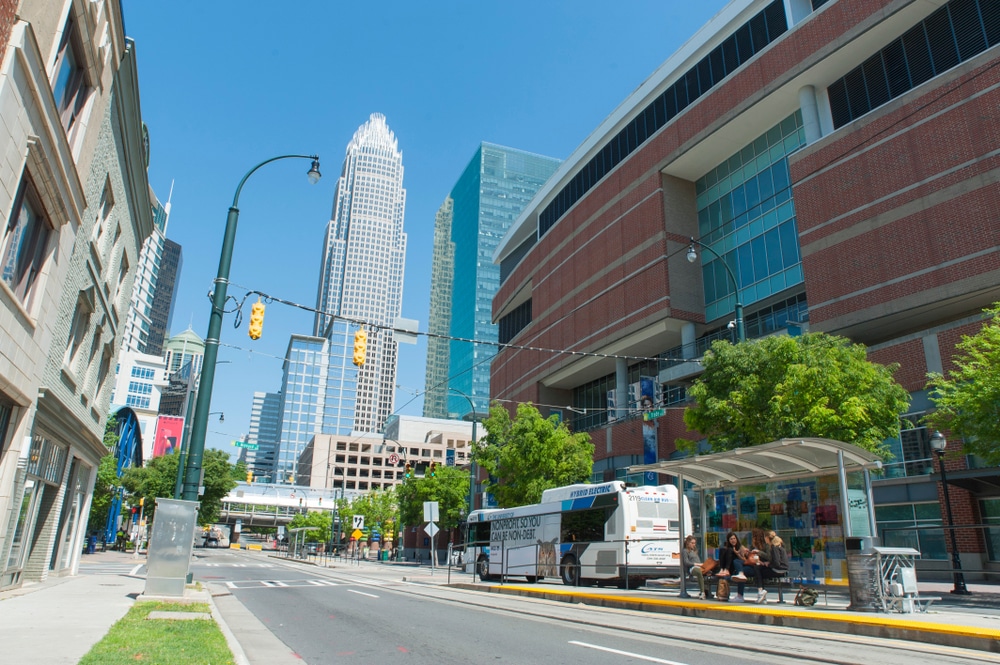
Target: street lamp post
(692, 256)
(938, 444)
(472, 463)
(192, 473)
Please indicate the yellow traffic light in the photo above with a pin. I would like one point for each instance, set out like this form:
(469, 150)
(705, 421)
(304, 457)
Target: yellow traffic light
(249, 476)
(360, 347)
(256, 320)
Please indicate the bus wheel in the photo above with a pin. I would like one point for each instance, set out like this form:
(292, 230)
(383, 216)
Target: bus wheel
(483, 568)
(570, 571)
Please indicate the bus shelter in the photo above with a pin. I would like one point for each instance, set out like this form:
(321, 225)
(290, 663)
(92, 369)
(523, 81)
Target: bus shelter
(815, 493)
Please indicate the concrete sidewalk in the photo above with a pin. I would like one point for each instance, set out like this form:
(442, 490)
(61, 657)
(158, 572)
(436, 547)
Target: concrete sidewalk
(60, 619)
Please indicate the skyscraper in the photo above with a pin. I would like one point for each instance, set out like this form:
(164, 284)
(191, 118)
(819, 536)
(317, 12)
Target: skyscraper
(361, 275)
(155, 284)
(265, 430)
(490, 194)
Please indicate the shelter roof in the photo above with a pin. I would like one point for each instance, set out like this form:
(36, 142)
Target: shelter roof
(768, 462)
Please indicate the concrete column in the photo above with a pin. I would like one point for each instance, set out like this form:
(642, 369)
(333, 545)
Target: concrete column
(687, 341)
(621, 387)
(810, 114)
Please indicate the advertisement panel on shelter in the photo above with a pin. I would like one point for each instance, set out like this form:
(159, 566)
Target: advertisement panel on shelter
(169, 431)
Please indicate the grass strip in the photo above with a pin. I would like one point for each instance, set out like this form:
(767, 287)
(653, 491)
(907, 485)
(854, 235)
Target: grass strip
(134, 639)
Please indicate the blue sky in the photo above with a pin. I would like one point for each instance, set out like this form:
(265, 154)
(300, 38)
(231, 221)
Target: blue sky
(225, 85)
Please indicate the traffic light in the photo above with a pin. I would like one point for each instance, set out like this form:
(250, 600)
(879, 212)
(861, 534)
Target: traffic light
(249, 476)
(432, 469)
(408, 471)
(256, 320)
(360, 347)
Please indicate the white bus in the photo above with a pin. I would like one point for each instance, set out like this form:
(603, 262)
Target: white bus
(584, 534)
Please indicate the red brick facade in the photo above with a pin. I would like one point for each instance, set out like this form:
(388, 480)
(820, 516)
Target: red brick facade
(8, 12)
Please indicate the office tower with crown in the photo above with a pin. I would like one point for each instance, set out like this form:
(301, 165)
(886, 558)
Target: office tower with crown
(361, 275)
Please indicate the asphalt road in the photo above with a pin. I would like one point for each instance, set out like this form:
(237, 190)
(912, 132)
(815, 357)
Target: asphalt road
(370, 614)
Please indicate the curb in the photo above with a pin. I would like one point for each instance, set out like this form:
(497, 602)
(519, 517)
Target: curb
(239, 656)
(860, 624)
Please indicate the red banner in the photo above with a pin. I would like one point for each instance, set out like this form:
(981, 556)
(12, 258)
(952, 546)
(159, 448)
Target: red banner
(169, 431)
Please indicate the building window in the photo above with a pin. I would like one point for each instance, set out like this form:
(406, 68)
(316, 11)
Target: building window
(69, 85)
(988, 508)
(916, 525)
(911, 452)
(957, 32)
(79, 327)
(25, 240)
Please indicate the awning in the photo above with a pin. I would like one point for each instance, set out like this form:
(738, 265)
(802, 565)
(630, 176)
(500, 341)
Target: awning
(784, 459)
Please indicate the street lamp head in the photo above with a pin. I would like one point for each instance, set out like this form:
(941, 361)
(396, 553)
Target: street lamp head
(314, 175)
(938, 443)
(692, 255)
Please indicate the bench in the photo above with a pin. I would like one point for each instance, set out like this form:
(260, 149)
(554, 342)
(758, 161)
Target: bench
(781, 582)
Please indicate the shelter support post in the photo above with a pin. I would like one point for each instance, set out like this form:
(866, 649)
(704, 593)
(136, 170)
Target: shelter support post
(682, 529)
(845, 504)
(870, 496)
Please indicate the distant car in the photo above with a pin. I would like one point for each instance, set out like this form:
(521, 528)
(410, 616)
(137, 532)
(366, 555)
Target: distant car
(312, 548)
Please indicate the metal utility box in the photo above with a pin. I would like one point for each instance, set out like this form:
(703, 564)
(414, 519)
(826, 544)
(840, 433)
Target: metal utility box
(170, 547)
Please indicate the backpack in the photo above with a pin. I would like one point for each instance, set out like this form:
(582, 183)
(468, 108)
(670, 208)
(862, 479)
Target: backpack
(722, 590)
(806, 597)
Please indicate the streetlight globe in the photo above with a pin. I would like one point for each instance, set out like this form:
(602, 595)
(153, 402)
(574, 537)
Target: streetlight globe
(314, 175)
(938, 442)
(692, 255)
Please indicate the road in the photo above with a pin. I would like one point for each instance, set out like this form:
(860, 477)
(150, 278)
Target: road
(371, 614)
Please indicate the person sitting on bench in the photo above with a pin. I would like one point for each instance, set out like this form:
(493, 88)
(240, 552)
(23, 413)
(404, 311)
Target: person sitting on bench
(693, 564)
(772, 563)
(731, 556)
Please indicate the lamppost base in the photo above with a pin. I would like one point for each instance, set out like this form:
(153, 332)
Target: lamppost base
(961, 591)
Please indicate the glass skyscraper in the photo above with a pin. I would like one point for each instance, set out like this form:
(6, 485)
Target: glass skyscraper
(490, 194)
(318, 393)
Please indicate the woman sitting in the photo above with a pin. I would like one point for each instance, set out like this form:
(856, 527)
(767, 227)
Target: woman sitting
(692, 563)
(772, 563)
(731, 557)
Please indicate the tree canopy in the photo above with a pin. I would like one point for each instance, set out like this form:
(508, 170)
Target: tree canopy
(816, 385)
(529, 454)
(158, 477)
(450, 488)
(968, 399)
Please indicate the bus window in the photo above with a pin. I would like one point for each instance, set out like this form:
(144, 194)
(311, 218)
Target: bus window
(584, 526)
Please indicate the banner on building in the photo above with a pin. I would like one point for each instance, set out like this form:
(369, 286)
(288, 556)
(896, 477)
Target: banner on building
(169, 432)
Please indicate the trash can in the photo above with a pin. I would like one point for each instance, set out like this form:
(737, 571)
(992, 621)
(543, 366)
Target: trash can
(862, 573)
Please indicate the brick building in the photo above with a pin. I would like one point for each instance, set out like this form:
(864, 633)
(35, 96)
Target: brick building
(836, 159)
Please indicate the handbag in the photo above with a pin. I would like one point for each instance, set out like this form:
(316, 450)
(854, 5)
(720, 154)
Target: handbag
(708, 565)
(722, 589)
(752, 559)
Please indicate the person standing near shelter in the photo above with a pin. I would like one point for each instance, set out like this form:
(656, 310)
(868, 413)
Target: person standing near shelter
(731, 556)
(773, 563)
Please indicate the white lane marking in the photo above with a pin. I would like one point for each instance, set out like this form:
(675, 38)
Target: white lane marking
(362, 593)
(136, 569)
(626, 653)
(263, 583)
(231, 585)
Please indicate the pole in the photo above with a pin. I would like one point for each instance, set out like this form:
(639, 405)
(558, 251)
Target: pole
(741, 333)
(956, 561)
(192, 474)
(472, 463)
(188, 403)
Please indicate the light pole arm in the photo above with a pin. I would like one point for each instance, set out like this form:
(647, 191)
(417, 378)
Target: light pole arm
(741, 334)
(472, 464)
(196, 449)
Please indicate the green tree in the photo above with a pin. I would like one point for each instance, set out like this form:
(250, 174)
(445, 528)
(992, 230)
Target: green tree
(107, 482)
(450, 488)
(157, 478)
(816, 385)
(240, 471)
(530, 454)
(316, 518)
(968, 399)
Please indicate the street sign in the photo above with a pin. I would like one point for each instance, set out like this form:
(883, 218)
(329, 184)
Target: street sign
(393, 459)
(356, 534)
(246, 444)
(655, 413)
(359, 522)
(449, 457)
(430, 511)
(431, 529)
